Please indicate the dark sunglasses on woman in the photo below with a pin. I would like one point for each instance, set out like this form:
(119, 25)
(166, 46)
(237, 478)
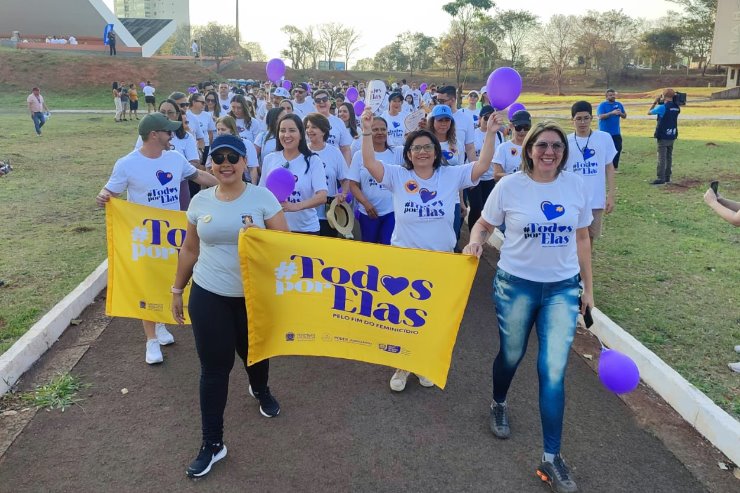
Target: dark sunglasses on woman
(220, 158)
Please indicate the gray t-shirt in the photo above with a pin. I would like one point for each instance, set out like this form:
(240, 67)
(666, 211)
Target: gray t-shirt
(218, 223)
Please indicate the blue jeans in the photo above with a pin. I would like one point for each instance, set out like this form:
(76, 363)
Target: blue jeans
(553, 308)
(38, 120)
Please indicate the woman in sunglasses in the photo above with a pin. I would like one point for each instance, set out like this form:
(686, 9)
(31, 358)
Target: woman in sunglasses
(508, 156)
(227, 126)
(544, 266)
(425, 194)
(310, 190)
(217, 306)
(212, 105)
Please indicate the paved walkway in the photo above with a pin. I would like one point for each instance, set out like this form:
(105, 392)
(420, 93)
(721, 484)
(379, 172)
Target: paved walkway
(341, 428)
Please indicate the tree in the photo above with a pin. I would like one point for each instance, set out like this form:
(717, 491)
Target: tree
(488, 35)
(460, 37)
(253, 51)
(559, 47)
(218, 41)
(179, 43)
(296, 50)
(348, 44)
(330, 38)
(660, 45)
(611, 37)
(516, 25)
(312, 44)
(416, 49)
(390, 58)
(697, 27)
(364, 64)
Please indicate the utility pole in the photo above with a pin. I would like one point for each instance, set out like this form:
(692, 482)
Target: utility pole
(237, 21)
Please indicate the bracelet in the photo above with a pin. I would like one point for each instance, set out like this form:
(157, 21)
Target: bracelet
(174, 290)
(366, 134)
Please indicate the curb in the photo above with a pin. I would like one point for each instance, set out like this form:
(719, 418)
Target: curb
(697, 409)
(33, 344)
(716, 425)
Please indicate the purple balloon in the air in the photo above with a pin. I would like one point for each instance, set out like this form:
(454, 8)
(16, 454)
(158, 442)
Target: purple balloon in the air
(514, 108)
(423, 87)
(281, 183)
(352, 94)
(308, 91)
(618, 372)
(504, 86)
(287, 84)
(142, 84)
(359, 107)
(275, 69)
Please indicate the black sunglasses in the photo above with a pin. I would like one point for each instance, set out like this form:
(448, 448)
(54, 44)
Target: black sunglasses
(220, 158)
(519, 128)
(210, 100)
(184, 105)
(321, 100)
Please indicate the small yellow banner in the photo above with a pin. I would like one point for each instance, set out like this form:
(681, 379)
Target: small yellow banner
(143, 245)
(314, 296)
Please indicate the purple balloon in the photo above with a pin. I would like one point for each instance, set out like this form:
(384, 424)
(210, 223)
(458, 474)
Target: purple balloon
(275, 69)
(423, 87)
(618, 372)
(359, 107)
(142, 84)
(504, 86)
(352, 94)
(192, 90)
(281, 183)
(287, 84)
(348, 197)
(308, 91)
(514, 108)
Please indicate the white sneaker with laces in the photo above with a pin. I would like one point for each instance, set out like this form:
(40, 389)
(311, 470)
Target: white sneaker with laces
(425, 382)
(163, 335)
(153, 352)
(734, 366)
(398, 380)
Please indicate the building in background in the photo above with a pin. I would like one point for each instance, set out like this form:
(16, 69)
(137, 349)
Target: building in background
(179, 10)
(726, 45)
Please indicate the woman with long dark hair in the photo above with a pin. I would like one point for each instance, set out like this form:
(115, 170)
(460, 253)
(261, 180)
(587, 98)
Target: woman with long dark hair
(292, 153)
(212, 105)
(246, 123)
(346, 113)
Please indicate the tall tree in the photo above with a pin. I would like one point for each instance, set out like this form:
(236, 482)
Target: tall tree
(312, 44)
(461, 36)
(390, 58)
(612, 37)
(488, 36)
(364, 64)
(517, 26)
(558, 52)
(218, 41)
(416, 49)
(330, 38)
(296, 50)
(254, 51)
(179, 43)
(348, 44)
(697, 27)
(660, 45)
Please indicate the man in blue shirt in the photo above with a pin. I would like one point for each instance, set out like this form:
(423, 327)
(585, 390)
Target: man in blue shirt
(666, 133)
(610, 112)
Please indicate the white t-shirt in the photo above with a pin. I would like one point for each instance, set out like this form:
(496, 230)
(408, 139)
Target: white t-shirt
(266, 146)
(152, 182)
(148, 91)
(304, 108)
(218, 224)
(225, 103)
(339, 134)
(541, 223)
(186, 146)
(335, 168)
(480, 137)
(416, 94)
(306, 186)
(396, 128)
(509, 156)
(453, 156)
(256, 126)
(464, 121)
(424, 209)
(376, 194)
(588, 157)
(204, 121)
(427, 97)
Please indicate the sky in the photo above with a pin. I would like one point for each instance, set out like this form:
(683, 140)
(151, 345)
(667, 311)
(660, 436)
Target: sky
(379, 21)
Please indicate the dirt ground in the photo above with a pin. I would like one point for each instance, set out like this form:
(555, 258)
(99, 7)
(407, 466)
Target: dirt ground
(341, 428)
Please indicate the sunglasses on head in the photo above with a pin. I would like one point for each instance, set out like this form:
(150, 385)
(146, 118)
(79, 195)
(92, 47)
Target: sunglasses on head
(220, 158)
(520, 128)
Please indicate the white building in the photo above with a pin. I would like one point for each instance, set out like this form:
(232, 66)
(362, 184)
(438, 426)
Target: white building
(179, 10)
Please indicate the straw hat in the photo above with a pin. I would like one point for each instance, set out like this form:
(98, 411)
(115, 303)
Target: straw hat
(341, 217)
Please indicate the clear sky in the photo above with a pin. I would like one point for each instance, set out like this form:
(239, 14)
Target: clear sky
(379, 21)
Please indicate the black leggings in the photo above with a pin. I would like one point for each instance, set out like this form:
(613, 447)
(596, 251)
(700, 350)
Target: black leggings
(220, 327)
(477, 197)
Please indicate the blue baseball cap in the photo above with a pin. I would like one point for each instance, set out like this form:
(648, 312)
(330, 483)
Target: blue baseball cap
(228, 142)
(442, 111)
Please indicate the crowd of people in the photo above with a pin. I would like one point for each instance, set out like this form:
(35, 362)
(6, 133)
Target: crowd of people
(546, 189)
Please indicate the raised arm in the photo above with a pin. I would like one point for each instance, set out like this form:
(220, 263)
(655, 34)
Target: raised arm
(374, 167)
(489, 144)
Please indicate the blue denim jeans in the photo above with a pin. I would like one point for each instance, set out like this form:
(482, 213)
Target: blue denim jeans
(38, 121)
(553, 308)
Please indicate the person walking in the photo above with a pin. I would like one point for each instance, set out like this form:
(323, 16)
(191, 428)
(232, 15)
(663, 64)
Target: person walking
(217, 308)
(112, 43)
(37, 107)
(117, 101)
(123, 91)
(666, 133)
(149, 99)
(610, 113)
(133, 98)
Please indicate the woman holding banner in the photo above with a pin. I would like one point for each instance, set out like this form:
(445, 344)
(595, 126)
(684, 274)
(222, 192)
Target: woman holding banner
(424, 193)
(545, 265)
(216, 306)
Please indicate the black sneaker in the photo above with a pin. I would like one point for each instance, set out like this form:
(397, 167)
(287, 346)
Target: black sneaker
(499, 420)
(209, 454)
(657, 182)
(269, 406)
(557, 475)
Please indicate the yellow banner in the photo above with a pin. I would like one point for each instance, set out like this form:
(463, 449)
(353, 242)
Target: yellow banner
(314, 296)
(143, 245)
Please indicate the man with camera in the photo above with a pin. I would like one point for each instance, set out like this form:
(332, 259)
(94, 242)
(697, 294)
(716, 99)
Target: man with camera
(666, 132)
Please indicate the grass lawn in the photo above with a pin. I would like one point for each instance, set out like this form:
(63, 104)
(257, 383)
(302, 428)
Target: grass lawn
(666, 268)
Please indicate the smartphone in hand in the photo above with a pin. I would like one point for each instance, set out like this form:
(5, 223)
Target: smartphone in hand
(714, 186)
(586, 316)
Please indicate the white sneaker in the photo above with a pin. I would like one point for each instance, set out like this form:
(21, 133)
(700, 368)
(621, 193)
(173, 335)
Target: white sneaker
(398, 380)
(425, 382)
(734, 366)
(153, 352)
(737, 348)
(163, 335)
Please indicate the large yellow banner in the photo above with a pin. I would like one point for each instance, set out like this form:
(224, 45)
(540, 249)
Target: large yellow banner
(143, 245)
(314, 296)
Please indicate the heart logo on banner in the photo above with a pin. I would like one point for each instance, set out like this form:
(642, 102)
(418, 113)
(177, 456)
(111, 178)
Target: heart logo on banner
(394, 285)
(426, 195)
(551, 210)
(164, 178)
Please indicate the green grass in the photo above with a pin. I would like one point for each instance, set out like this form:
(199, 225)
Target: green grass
(59, 393)
(665, 269)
